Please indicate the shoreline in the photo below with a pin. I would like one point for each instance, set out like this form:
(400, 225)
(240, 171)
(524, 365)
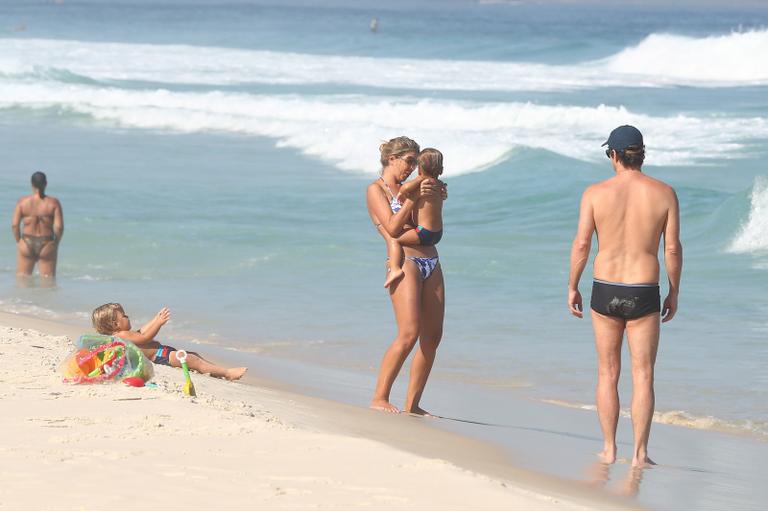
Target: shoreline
(396, 434)
(534, 447)
(269, 360)
(739, 428)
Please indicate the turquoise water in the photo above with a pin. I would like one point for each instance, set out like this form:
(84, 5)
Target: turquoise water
(213, 158)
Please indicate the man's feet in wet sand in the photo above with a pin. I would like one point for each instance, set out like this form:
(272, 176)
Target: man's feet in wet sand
(607, 455)
(642, 462)
(235, 373)
(392, 276)
(418, 411)
(383, 406)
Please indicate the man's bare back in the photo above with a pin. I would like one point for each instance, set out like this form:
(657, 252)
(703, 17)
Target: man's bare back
(630, 212)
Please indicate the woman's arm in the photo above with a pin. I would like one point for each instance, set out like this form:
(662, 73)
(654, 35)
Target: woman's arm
(58, 222)
(381, 213)
(433, 187)
(16, 222)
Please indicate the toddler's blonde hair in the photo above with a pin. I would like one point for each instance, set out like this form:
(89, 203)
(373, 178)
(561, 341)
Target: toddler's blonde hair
(104, 317)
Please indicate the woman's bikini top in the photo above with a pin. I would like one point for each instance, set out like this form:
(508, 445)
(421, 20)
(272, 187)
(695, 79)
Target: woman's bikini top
(394, 204)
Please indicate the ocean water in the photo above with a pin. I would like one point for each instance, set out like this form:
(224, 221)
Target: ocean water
(213, 158)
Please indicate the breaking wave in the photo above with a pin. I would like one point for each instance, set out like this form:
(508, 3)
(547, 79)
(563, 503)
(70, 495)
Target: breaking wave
(753, 237)
(342, 129)
(659, 60)
(684, 419)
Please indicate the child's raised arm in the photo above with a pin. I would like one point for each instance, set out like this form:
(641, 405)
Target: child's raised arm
(407, 190)
(163, 316)
(148, 332)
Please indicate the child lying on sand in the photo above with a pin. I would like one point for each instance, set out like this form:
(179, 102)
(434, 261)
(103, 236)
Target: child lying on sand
(111, 319)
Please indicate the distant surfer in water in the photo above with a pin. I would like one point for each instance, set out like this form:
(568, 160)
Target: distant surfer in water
(630, 212)
(374, 25)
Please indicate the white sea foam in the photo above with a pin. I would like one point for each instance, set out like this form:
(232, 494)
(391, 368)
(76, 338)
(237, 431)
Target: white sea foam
(658, 60)
(27, 308)
(687, 420)
(753, 237)
(345, 130)
(716, 60)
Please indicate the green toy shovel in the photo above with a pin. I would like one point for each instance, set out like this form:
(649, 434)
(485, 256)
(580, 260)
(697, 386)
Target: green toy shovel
(189, 387)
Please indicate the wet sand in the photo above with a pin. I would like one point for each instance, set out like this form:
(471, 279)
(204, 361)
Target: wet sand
(88, 446)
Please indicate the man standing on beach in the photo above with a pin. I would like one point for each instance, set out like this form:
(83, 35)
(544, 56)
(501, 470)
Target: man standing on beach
(630, 212)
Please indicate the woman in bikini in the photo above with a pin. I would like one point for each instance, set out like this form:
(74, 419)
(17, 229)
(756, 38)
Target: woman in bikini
(418, 298)
(38, 224)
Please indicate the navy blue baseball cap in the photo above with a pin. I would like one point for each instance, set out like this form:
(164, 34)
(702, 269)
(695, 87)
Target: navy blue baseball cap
(623, 137)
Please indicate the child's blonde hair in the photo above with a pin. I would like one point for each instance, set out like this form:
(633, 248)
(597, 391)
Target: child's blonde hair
(104, 317)
(431, 162)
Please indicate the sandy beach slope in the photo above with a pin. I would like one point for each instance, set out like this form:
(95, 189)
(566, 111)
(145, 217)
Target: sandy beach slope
(116, 447)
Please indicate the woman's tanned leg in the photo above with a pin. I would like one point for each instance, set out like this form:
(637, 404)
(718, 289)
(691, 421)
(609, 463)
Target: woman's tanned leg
(46, 265)
(405, 301)
(25, 260)
(430, 334)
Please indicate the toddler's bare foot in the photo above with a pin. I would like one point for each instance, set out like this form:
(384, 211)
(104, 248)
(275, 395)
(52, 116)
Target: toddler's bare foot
(384, 406)
(235, 373)
(393, 276)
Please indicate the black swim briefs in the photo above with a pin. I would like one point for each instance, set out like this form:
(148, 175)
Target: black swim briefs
(625, 301)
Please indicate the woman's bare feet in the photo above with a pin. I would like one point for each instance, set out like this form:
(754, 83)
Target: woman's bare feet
(384, 406)
(235, 373)
(392, 276)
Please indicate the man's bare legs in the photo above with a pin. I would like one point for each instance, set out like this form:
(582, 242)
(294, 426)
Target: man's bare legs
(430, 334)
(405, 295)
(643, 338)
(609, 333)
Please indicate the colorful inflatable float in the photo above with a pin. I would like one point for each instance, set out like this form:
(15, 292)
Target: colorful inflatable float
(105, 359)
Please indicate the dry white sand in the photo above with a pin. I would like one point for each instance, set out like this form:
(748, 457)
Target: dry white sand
(117, 447)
